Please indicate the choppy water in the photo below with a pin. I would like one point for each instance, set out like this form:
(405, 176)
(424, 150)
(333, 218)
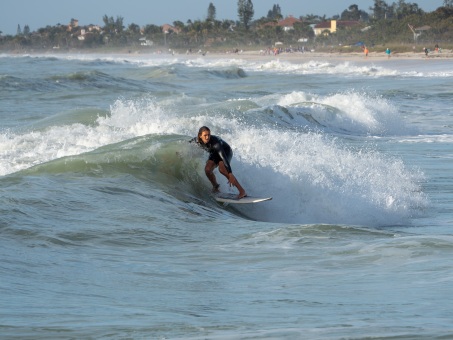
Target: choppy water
(108, 229)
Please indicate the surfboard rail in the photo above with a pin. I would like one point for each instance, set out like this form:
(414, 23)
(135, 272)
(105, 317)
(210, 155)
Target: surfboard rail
(232, 198)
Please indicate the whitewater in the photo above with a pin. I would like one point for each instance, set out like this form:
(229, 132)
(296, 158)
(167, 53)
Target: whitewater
(109, 229)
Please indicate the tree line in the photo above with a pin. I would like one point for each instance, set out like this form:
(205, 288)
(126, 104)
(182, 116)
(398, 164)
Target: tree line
(382, 24)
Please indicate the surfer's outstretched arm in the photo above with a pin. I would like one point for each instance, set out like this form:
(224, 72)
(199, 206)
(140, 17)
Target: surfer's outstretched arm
(232, 181)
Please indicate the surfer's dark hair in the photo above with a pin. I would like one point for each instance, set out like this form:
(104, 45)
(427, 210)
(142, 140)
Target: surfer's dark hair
(200, 131)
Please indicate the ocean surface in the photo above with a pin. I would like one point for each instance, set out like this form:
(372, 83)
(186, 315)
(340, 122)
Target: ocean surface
(108, 228)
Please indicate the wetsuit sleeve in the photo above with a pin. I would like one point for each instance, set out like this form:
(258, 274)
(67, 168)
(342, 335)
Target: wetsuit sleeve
(193, 140)
(218, 147)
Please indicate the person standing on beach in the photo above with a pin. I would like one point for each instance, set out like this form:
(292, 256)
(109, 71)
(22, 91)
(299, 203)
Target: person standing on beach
(426, 51)
(220, 155)
(387, 51)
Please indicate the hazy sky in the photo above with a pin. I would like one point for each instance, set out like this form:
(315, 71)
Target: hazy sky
(40, 13)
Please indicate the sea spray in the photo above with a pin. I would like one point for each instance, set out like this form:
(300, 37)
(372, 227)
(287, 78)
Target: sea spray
(316, 179)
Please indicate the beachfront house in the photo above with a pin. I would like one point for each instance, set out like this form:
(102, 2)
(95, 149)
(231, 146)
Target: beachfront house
(288, 23)
(166, 28)
(332, 25)
(146, 42)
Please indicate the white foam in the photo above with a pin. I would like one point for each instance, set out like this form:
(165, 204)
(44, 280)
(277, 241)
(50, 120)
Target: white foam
(314, 179)
(350, 112)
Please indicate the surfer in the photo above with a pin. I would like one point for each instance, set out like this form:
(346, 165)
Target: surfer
(220, 155)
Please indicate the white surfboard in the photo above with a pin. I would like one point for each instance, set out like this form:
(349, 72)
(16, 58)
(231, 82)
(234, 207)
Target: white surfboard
(232, 198)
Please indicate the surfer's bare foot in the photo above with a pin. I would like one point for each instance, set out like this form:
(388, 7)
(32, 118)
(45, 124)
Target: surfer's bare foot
(242, 195)
(215, 188)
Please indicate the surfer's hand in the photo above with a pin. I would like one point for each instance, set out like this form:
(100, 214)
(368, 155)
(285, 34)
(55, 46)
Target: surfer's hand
(231, 180)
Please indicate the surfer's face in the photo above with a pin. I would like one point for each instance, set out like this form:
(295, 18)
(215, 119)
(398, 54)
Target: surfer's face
(205, 136)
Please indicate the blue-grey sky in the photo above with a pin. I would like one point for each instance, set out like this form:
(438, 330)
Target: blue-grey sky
(40, 13)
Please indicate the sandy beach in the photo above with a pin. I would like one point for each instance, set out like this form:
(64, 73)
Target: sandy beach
(258, 55)
(343, 56)
(296, 57)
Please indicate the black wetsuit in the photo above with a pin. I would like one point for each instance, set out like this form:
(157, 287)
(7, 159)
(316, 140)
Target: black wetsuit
(219, 150)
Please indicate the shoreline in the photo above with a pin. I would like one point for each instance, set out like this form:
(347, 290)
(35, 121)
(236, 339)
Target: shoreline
(252, 55)
(337, 56)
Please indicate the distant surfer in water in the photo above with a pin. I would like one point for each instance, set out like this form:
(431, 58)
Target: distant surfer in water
(220, 155)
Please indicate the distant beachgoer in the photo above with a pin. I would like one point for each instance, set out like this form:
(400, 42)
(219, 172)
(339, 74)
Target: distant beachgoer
(365, 50)
(387, 51)
(426, 51)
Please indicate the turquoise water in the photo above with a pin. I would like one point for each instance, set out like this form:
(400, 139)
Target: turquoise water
(108, 228)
